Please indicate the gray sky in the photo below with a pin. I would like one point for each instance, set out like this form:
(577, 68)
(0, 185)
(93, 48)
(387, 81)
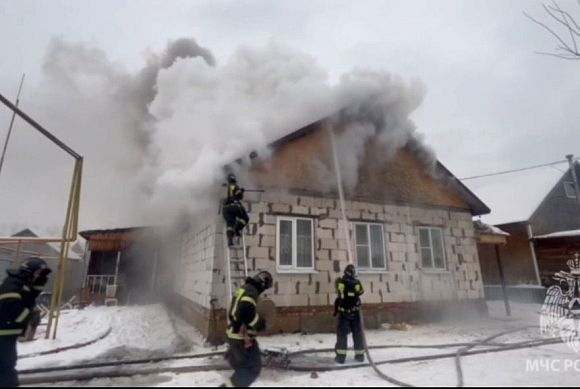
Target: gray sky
(491, 103)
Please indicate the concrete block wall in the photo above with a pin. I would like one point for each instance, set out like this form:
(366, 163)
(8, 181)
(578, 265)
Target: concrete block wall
(404, 279)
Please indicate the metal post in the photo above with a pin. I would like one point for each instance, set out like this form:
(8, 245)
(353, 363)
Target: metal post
(570, 158)
(502, 280)
(117, 265)
(69, 234)
(340, 194)
(533, 251)
(11, 124)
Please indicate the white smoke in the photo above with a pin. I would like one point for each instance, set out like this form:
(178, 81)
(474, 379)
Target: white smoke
(155, 141)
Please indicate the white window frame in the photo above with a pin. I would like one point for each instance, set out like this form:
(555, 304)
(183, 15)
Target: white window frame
(370, 268)
(432, 268)
(572, 194)
(294, 267)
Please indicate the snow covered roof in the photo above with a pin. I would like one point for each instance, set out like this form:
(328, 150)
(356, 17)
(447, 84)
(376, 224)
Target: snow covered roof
(514, 197)
(559, 234)
(482, 227)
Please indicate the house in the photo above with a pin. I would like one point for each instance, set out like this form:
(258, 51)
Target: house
(540, 211)
(129, 259)
(410, 225)
(13, 253)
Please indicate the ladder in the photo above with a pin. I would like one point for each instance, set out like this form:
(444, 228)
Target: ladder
(236, 264)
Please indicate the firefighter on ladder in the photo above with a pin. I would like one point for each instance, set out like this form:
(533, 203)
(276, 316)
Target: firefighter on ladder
(244, 322)
(18, 293)
(347, 307)
(235, 214)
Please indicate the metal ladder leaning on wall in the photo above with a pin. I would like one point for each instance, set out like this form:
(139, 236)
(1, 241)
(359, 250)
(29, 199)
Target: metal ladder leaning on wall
(236, 263)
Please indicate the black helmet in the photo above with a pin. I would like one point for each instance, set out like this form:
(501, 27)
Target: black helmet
(231, 178)
(263, 280)
(30, 266)
(350, 270)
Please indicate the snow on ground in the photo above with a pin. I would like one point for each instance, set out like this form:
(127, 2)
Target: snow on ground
(150, 330)
(136, 332)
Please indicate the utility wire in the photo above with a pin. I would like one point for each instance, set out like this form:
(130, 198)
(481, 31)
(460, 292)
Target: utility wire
(518, 170)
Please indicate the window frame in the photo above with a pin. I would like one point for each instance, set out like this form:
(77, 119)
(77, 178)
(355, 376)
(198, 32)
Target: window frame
(432, 268)
(369, 245)
(572, 194)
(294, 268)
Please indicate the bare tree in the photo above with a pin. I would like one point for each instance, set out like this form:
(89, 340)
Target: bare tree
(566, 31)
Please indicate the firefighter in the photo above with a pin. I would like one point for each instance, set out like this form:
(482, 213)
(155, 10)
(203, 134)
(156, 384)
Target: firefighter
(18, 293)
(244, 323)
(234, 212)
(347, 307)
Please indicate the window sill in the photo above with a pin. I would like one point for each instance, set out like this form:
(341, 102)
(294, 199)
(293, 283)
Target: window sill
(373, 271)
(435, 271)
(296, 271)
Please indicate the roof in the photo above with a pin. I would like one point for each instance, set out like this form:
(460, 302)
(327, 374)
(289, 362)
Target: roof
(477, 206)
(559, 234)
(31, 236)
(87, 234)
(483, 228)
(515, 197)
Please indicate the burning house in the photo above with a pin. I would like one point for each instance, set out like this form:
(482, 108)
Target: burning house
(408, 219)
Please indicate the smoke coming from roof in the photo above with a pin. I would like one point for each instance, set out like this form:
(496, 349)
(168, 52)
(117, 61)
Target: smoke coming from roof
(155, 140)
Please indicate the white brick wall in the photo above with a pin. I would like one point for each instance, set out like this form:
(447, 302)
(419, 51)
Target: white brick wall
(403, 260)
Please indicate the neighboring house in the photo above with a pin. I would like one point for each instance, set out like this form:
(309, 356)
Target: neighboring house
(130, 260)
(412, 238)
(540, 211)
(50, 252)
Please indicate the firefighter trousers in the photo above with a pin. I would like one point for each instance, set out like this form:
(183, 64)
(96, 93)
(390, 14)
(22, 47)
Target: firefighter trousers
(8, 375)
(349, 323)
(246, 362)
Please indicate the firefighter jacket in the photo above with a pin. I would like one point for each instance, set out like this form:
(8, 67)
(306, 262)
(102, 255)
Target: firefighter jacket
(17, 300)
(243, 320)
(349, 291)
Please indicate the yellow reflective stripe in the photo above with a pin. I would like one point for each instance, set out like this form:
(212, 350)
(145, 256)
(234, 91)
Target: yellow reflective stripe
(229, 384)
(350, 294)
(340, 352)
(23, 315)
(359, 352)
(341, 287)
(10, 332)
(239, 295)
(26, 288)
(40, 288)
(250, 300)
(232, 335)
(252, 332)
(7, 296)
(255, 321)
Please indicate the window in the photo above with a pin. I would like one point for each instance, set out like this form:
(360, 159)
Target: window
(569, 189)
(370, 246)
(295, 244)
(432, 252)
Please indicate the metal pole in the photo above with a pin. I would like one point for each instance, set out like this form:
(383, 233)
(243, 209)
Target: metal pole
(570, 158)
(502, 280)
(117, 265)
(340, 195)
(38, 127)
(69, 225)
(11, 124)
